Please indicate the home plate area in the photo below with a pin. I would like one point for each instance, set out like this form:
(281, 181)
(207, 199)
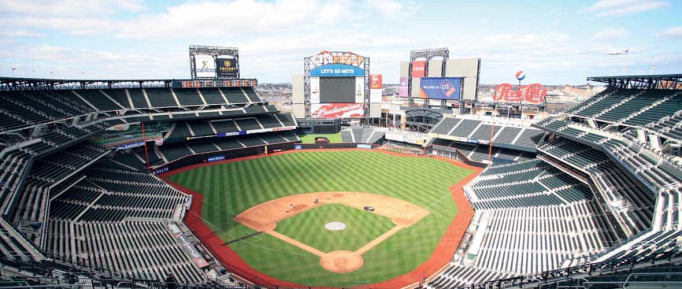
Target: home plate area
(334, 226)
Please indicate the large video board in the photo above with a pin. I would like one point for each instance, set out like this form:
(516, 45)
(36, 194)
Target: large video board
(214, 62)
(440, 88)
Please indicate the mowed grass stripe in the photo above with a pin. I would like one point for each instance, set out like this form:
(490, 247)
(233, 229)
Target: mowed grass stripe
(422, 181)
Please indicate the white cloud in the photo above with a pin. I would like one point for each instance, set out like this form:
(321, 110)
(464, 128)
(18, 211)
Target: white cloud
(674, 32)
(73, 8)
(624, 7)
(215, 19)
(394, 8)
(20, 33)
(610, 34)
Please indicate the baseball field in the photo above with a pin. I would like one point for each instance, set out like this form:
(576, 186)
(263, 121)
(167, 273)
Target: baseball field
(299, 217)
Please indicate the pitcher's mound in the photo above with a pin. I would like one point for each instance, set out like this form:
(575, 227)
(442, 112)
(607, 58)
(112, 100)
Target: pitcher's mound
(341, 261)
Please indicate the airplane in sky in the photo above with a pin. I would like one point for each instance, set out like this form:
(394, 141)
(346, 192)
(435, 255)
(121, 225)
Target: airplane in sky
(618, 53)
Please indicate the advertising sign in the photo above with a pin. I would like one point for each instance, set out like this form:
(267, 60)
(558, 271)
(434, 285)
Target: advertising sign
(314, 90)
(532, 93)
(375, 81)
(187, 245)
(402, 91)
(364, 146)
(347, 58)
(129, 145)
(336, 70)
(418, 68)
(205, 66)
(334, 110)
(228, 67)
(440, 88)
(216, 158)
(359, 89)
(375, 95)
(158, 142)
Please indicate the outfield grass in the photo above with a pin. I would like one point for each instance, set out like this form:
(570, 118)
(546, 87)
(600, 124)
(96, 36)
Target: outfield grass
(231, 188)
(361, 227)
(310, 138)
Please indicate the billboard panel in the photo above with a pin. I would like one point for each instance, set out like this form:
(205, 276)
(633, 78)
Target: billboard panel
(440, 88)
(402, 89)
(532, 93)
(314, 90)
(418, 68)
(375, 81)
(375, 95)
(205, 66)
(336, 70)
(359, 89)
(334, 110)
(228, 67)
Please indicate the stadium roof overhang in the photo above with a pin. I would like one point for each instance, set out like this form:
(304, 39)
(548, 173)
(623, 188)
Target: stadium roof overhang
(662, 81)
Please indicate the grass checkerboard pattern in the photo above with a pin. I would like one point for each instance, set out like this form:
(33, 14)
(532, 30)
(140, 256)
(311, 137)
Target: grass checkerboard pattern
(361, 227)
(231, 188)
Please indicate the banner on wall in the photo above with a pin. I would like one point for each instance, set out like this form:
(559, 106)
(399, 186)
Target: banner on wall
(532, 93)
(418, 68)
(337, 70)
(359, 89)
(314, 90)
(440, 88)
(402, 89)
(334, 110)
(375, 81)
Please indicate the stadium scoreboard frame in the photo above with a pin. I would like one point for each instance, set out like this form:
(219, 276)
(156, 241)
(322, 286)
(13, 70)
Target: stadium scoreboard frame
(217, 62)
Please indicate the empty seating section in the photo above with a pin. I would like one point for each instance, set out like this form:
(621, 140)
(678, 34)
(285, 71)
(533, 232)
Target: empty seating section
(203, 147)
(118, 95)
(269, 121)
(251, 140)
(589, 101)
(272, 138)
(286, 118)
(234, 95)
(228, 143)
(289, 135)
(252, 94)
(212, 95)
(534, 183)
(173, 152)
(507, 134)
(200, 128)
(138, 99)
(456, 276)
(67, 162)
(357, 135)
(346, 136)
(465, 127)
(99, 100)
(529, 138)
(188, 96)
(483, 132)
(633, 205)
(602, 104)
(445, 125)
(159, 97)
(145, 250)
(247, 124)
(13, 167)
(639, 102)
(223, 126)
(540, 238)
(501, 133)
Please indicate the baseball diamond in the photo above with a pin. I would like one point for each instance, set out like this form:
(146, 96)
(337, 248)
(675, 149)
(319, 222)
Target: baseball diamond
(289, 197)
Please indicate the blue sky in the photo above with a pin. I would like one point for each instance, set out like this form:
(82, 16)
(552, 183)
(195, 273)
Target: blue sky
(555, 42)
